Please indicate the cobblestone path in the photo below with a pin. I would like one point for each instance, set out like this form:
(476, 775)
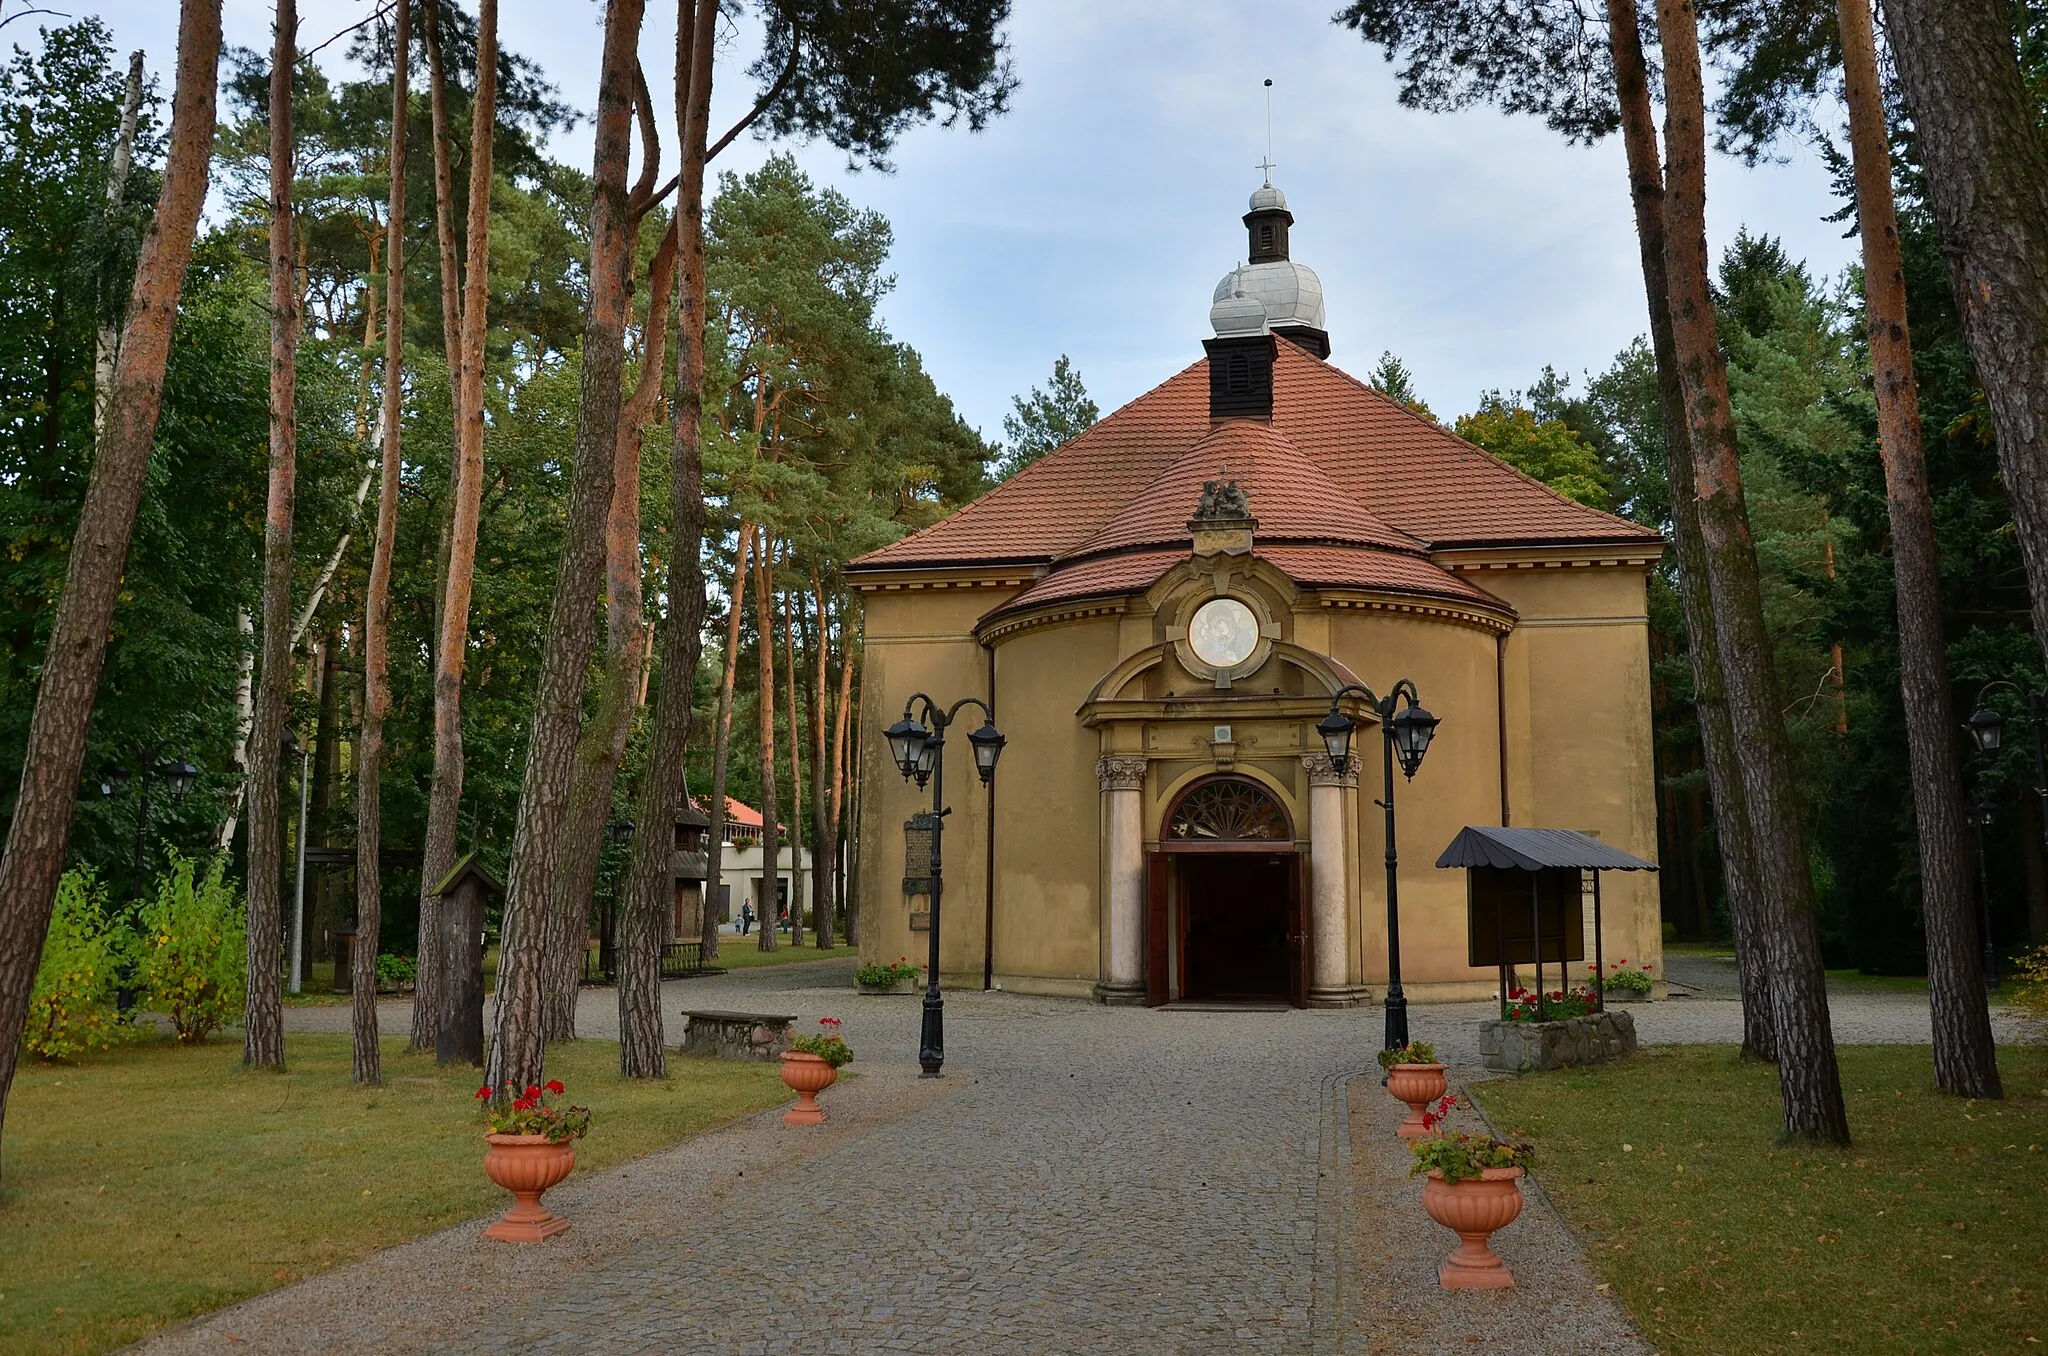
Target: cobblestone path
(1083, 1180)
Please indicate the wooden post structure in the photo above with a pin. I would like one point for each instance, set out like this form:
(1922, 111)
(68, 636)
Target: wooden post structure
(463, 892)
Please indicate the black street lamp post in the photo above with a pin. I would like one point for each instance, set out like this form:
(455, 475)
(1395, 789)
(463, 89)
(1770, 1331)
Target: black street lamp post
(178, 774)
(1987, 731)
(918, 747)
(1405, 732)
(1983, 814)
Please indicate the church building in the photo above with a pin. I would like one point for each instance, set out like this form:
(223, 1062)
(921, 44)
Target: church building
(1160, 613)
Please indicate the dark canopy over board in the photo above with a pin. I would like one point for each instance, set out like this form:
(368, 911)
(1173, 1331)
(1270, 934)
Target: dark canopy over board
(1536, 850)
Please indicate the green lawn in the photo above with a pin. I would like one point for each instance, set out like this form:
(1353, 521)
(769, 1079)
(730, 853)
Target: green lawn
(155, 1182)
(1926, 1235)
(743, 953)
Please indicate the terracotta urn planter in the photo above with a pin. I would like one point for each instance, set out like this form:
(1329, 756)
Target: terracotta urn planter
(1472, 1210)
(526, 1166)
(1418, 1085)
(807, 1076)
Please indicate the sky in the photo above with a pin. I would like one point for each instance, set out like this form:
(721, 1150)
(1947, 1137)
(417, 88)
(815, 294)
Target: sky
(1096, 217)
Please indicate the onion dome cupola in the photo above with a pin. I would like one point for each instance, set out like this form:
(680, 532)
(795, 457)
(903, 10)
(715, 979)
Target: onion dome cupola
(1290, 294)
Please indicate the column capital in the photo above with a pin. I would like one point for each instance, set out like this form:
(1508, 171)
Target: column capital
(1120, 771)
(1320, 773)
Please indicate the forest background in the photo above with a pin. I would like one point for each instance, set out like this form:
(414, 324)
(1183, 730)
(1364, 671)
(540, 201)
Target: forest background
(830, 435)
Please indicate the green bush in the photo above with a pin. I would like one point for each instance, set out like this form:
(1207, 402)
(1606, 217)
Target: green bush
(71, 1009)
(191, 962)
(395, 971)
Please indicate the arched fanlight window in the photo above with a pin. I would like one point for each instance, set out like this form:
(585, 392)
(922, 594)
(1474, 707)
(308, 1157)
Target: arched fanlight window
(1228, 810)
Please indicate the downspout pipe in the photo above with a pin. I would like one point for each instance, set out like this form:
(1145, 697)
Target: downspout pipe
(988, 878)
(1500, 697)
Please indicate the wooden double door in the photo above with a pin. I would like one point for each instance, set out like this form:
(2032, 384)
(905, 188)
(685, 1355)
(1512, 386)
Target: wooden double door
(1226, 926)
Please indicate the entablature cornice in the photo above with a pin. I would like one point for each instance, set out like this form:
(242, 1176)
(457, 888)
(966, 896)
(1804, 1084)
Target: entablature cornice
(953, 577)
(1634, 555)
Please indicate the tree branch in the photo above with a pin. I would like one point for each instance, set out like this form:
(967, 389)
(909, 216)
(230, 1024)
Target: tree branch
(761, 105)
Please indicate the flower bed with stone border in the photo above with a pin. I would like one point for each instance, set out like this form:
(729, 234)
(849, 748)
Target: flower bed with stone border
(1522, 1047)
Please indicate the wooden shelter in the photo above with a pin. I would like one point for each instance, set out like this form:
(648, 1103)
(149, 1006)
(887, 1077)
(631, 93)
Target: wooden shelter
(1525, 898)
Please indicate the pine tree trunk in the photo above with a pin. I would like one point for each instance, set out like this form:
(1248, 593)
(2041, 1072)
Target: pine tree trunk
(107, 340)
(764, 650)
(1965, 1061)
(792, 607)
(721, 750)
(40, 831)
(603, 743)
(1717, 738)
(364, 393)
(376, 650)
(821, 810)
(444, 797)
(651, 882)
(518, 1040)
(1987, 177)
(263, 1017)
(1809, 1080)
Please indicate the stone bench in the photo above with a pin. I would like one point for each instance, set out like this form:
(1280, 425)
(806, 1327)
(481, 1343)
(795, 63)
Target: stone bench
(735, 1035)
(1522, 1047)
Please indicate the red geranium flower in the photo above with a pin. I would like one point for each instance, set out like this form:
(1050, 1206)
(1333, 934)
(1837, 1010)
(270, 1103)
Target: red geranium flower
(482, 1093)
(555, 1086)
(533, 1089)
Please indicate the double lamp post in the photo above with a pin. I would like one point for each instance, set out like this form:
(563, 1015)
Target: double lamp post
(1986, 726)
(918, 744)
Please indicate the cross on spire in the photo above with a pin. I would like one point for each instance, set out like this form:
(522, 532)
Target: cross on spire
(1268, 165)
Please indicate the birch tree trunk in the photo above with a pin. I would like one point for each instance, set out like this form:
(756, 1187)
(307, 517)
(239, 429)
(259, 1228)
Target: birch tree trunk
(1965, 1061)
(603, 744)
(791, 605)
(376, 647)
(1809, 1080)
(1987, 178)
(721, 750)
(651, 882)
(1717, 738)
(518, 1039)
(444, 798)
(40, 830)
(107, 341)
(245, 716)
(263, 1019)
(764, 629)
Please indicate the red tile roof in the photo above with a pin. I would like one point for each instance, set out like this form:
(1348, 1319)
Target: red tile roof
(1379, 571)
(1098, 577)
(1400, 471)
(1290, 498)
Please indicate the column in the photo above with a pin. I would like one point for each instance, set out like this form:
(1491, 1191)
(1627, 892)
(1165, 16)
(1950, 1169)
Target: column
(1328, 917)
(1122, 779)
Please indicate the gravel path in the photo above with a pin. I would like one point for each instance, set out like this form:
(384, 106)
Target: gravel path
(1083, 1180)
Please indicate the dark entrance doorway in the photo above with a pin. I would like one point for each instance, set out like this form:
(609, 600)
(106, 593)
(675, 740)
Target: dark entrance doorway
(1237, 933)
(1225, 909)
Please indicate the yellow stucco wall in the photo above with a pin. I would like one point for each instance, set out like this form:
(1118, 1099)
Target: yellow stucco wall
(1576, 703)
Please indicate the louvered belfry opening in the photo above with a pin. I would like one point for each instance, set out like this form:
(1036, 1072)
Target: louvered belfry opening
(1241, 376)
